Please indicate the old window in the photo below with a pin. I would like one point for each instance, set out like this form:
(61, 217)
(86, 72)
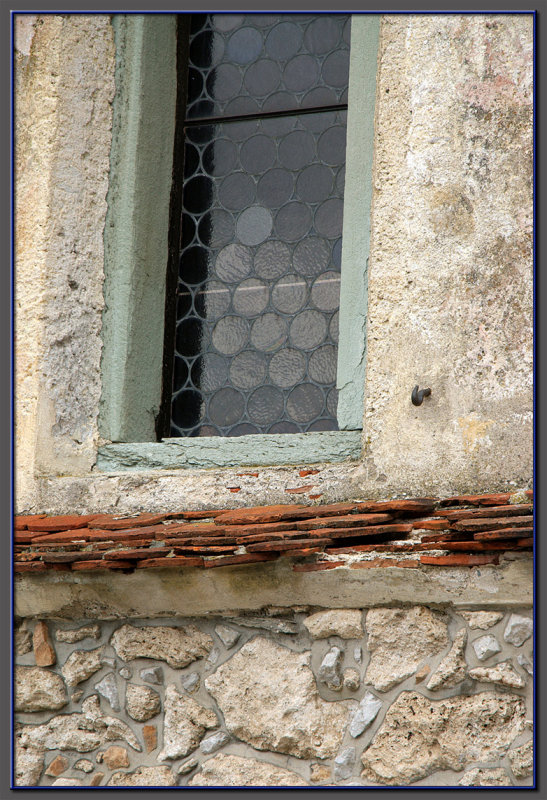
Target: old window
(259, 282)
(132, 417)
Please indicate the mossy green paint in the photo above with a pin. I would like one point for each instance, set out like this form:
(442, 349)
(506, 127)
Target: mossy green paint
(137, 225)
(356, 231)
(136, 252)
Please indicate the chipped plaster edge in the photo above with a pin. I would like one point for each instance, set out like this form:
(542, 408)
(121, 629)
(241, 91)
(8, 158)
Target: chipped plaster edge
(350, 381)
(173, 592)
(137, 222)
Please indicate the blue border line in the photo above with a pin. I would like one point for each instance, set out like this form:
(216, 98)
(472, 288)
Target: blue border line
(379, 11)
(534, 376)
(12, 422)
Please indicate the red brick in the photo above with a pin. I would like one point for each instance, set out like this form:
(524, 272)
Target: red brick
(44, 654)
(244, 516)
(300, 489)
(385, 562)
(144, 552)
(529, 493)
(247, 474)
(198, 541)
(305, 551)
(150, 736)
(30, 566)
(265, 527)
(109, 522)
(493, 524)
(189, 515)
(448, 537)
(67, 521)
(61, 547)
(419, 505)
(317, 567)
(192, 529)
(315, 496)
(486, 546)
(205, 551)
(346, 521)
(305, 472)
(267, 537)
(93, 564)
(175, 561)
(494, 511)
(507, 533)
(155, 531)
(67, 557)
(19, 556)
(477, 499)
(109, 544)
(246, 558)
(430, 524)
(410, 547)
(457, 560)
(528, 542)
(59, 765)
(280, 546)
(97, 535)
(234, 489)
(79, 534)
(21, 522)
(24, 537)
(394, 530)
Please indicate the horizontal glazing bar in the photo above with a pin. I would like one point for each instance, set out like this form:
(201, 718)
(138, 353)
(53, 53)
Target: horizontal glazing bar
(264, 115)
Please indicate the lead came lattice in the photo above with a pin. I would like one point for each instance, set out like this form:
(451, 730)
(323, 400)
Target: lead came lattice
(258, 291)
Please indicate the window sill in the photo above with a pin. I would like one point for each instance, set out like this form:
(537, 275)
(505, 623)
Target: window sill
(212, 451)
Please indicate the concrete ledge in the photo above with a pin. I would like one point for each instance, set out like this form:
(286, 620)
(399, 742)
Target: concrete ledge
(216, 451)
(170, 593)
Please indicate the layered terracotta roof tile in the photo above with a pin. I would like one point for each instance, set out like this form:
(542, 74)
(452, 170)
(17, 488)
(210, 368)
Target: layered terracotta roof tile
(470, 530)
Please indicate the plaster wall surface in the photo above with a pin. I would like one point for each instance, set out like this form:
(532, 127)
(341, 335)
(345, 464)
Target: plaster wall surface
(450, 273)
(168, 592)
(64, 72)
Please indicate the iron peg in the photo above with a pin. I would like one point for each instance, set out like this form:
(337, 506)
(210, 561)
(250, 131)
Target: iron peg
(418, 395)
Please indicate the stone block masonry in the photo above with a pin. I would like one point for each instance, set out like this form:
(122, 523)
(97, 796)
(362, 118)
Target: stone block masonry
(240, 700)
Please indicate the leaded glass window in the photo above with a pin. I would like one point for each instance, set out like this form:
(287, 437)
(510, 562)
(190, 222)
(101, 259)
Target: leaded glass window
(259, 281)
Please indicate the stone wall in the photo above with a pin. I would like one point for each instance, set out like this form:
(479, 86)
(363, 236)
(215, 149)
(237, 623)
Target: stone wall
(286, 697)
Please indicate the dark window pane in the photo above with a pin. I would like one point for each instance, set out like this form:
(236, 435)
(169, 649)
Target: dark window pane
(241, 64)
(262, 78)
(226, 407)
(244, 45)
(265, 405)
(259, 283)
(284, 41)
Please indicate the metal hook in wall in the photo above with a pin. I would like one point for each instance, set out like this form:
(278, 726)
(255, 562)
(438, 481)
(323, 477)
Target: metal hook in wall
(418, 395)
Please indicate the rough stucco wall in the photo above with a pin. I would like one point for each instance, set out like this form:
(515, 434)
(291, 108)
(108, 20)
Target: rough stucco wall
(450, 284)
(65, 83)
(450, 276)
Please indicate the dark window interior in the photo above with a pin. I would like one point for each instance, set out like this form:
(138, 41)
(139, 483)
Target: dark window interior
(258, 285)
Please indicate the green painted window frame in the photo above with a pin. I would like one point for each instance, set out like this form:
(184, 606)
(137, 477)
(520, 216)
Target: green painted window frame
(136, 245)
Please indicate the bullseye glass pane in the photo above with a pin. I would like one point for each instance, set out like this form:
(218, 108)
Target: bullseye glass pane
(272, 61)
(259, 281)
(259, 278)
